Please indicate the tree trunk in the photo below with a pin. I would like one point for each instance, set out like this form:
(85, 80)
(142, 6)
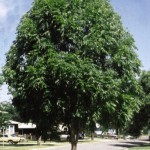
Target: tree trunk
(73, 146)
(92, 136)
(38, 134)
(92, 128)
(117, 132)
(74, 139)
(39, 140)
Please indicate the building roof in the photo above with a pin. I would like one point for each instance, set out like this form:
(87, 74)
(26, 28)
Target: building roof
(26, 126)
(23, 125)
(13, 122)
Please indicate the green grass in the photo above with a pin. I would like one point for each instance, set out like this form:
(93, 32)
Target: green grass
(145, 146)
(30, 145)
(140, 148)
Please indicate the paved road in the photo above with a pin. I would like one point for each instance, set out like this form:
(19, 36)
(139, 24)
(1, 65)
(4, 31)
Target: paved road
(102, 145)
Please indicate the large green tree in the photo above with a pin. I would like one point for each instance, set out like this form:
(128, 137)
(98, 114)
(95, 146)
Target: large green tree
(69, 63)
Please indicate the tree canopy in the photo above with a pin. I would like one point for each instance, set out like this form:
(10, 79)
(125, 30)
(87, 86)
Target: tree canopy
(71, 61)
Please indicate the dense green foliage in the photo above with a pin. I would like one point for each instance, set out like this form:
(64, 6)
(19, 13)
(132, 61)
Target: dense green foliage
(72, 61)
(1, 79)
(11, 111)
(4, 117)
(8, 112)
(141, 119)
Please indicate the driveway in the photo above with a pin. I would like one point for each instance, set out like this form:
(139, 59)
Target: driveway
(102, 145)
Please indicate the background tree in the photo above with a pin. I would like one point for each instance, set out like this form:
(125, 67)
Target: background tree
(67, 62)
(8, 112)
(3, 117)
(11, 111)
(1, 79)
(141, 119)
(126, 105)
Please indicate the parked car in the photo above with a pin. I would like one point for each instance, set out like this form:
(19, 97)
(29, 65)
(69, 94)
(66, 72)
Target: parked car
(64, 136)
(98, 132)
(81, 135)
(9, 138)
(109, 135)
(22, 139)
(129, 137)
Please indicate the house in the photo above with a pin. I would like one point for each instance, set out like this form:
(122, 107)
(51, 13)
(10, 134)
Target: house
(12, 127)
(19, 128)
(26, 128)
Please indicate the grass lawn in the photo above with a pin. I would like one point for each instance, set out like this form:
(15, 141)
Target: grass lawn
(140, 148)
(31, 145)
(145, 146)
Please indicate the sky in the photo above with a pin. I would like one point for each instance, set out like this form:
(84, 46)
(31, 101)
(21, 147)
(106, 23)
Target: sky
(134, 15)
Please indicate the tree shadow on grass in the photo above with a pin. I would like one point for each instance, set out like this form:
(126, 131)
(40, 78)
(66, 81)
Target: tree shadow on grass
(131, 144)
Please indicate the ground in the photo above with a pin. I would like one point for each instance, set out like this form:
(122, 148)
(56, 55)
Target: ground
(103, 145)
(86, 144)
